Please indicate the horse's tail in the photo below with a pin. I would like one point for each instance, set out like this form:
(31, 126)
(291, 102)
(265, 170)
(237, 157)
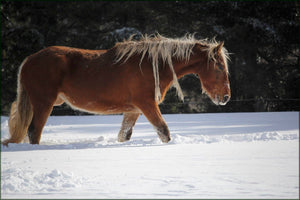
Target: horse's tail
(21, 114)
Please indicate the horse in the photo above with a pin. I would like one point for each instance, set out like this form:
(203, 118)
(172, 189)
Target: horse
(130, 78)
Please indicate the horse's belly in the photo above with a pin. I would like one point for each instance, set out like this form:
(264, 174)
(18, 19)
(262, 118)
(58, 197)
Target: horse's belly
(97, 106)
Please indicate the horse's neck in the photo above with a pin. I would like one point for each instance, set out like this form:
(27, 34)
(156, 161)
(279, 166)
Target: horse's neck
(191, 66)
(181, 69)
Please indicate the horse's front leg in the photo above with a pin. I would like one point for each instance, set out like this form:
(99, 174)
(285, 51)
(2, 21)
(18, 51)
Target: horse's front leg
(129, 120)
(153, 114)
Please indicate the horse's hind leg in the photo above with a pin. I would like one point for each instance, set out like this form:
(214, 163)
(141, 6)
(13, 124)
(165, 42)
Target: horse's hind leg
(153, 114)
(31, 129)
(41, 113)
(129, 120)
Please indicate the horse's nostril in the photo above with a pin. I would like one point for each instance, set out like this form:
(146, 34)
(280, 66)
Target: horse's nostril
(226, 98)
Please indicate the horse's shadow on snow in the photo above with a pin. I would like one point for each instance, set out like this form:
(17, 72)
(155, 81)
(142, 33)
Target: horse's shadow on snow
(96, 143)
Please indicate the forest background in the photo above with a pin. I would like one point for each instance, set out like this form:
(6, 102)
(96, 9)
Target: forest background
(262, 37)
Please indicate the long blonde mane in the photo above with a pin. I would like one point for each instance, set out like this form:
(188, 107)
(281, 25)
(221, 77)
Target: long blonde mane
(159, 48)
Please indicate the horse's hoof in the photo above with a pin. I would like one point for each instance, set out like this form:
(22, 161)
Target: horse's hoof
(165, 139)
(122, 139)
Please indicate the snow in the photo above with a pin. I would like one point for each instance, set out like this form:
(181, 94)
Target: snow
(229, 155)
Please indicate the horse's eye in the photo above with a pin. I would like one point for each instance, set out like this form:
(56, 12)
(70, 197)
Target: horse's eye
(220, 67)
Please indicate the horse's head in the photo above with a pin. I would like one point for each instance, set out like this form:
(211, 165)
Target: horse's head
(213, 74)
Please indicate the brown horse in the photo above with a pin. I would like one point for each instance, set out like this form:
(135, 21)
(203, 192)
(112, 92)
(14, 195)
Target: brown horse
(130, 78)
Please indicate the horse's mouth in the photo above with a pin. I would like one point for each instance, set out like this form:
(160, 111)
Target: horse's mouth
(218, 101)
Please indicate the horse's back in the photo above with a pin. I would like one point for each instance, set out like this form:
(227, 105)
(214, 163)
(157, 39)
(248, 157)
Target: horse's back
(52, 64)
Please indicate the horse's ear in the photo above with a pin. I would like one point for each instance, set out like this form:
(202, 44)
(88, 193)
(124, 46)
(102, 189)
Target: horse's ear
(219, 47)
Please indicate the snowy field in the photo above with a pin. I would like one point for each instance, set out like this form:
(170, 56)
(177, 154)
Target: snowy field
(230, 155)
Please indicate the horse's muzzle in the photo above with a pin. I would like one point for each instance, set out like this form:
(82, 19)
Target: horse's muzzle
(225, 100)
(221, 101)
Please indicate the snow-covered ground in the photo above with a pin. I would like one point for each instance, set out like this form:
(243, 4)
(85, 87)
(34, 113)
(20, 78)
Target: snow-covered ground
(230, 155)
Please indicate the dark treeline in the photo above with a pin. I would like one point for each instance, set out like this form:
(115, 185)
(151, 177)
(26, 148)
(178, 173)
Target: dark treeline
(263, 38)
